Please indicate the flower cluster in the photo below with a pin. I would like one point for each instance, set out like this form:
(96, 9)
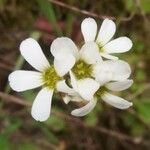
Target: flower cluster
(83, 75)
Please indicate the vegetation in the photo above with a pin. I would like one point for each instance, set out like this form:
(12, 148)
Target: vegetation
(105, 127)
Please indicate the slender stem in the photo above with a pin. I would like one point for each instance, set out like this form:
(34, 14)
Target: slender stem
(91, 14)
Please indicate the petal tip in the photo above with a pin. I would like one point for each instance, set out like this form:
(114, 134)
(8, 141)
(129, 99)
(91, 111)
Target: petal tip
(89, 29)
(131, 104)
(130, 43)
(88, 19)
(24, 42)
(39, 119)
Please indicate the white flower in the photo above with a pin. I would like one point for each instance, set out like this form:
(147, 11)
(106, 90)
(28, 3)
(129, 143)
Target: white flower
(79, 64)
(111, 70)
(113, 100)
(106, 32)
(46, 76)
(111, 75)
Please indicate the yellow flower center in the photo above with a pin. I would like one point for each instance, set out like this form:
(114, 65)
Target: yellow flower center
(82, 70)
(50, 77)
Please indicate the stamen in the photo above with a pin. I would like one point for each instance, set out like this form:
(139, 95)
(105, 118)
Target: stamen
(50, 77)
(82, 70)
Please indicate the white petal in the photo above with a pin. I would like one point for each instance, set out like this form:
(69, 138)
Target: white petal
(32, 52)
(85, 109)
(63, 45)
(41, 107)
(77, 98)
(116, 101)
(90, 53)
(101, 73)
(107, 56)
(119, 86)
(106, 32)
(111, 70)
(64, 63)
(120, 69)
(66, 99)
(73, 81)
(63, 87)
(24, 80)
(87, 88)
(89, 29)
(119, 45)
(74, 98)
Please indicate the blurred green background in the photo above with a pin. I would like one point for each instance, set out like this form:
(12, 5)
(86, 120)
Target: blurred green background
(105, 128)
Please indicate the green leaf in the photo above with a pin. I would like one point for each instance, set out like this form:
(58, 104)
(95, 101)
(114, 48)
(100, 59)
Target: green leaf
(2, 4)
(13, 125)
(4, 142)
(138, 47)
(140, 75)
(29, 95)
(143, 108)
(91, 119)
(136, 128)
(56, 123)
(27, 146)
(145, 5)
(130, 5)
(69, 24)
(48, 11)
(49, 134)
(129, 119)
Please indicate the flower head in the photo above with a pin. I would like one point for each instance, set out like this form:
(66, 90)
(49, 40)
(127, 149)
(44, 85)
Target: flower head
(111, 99)
(79, 73)
(46, 76)
(105, 34)
(113, 76)
(79, 64)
